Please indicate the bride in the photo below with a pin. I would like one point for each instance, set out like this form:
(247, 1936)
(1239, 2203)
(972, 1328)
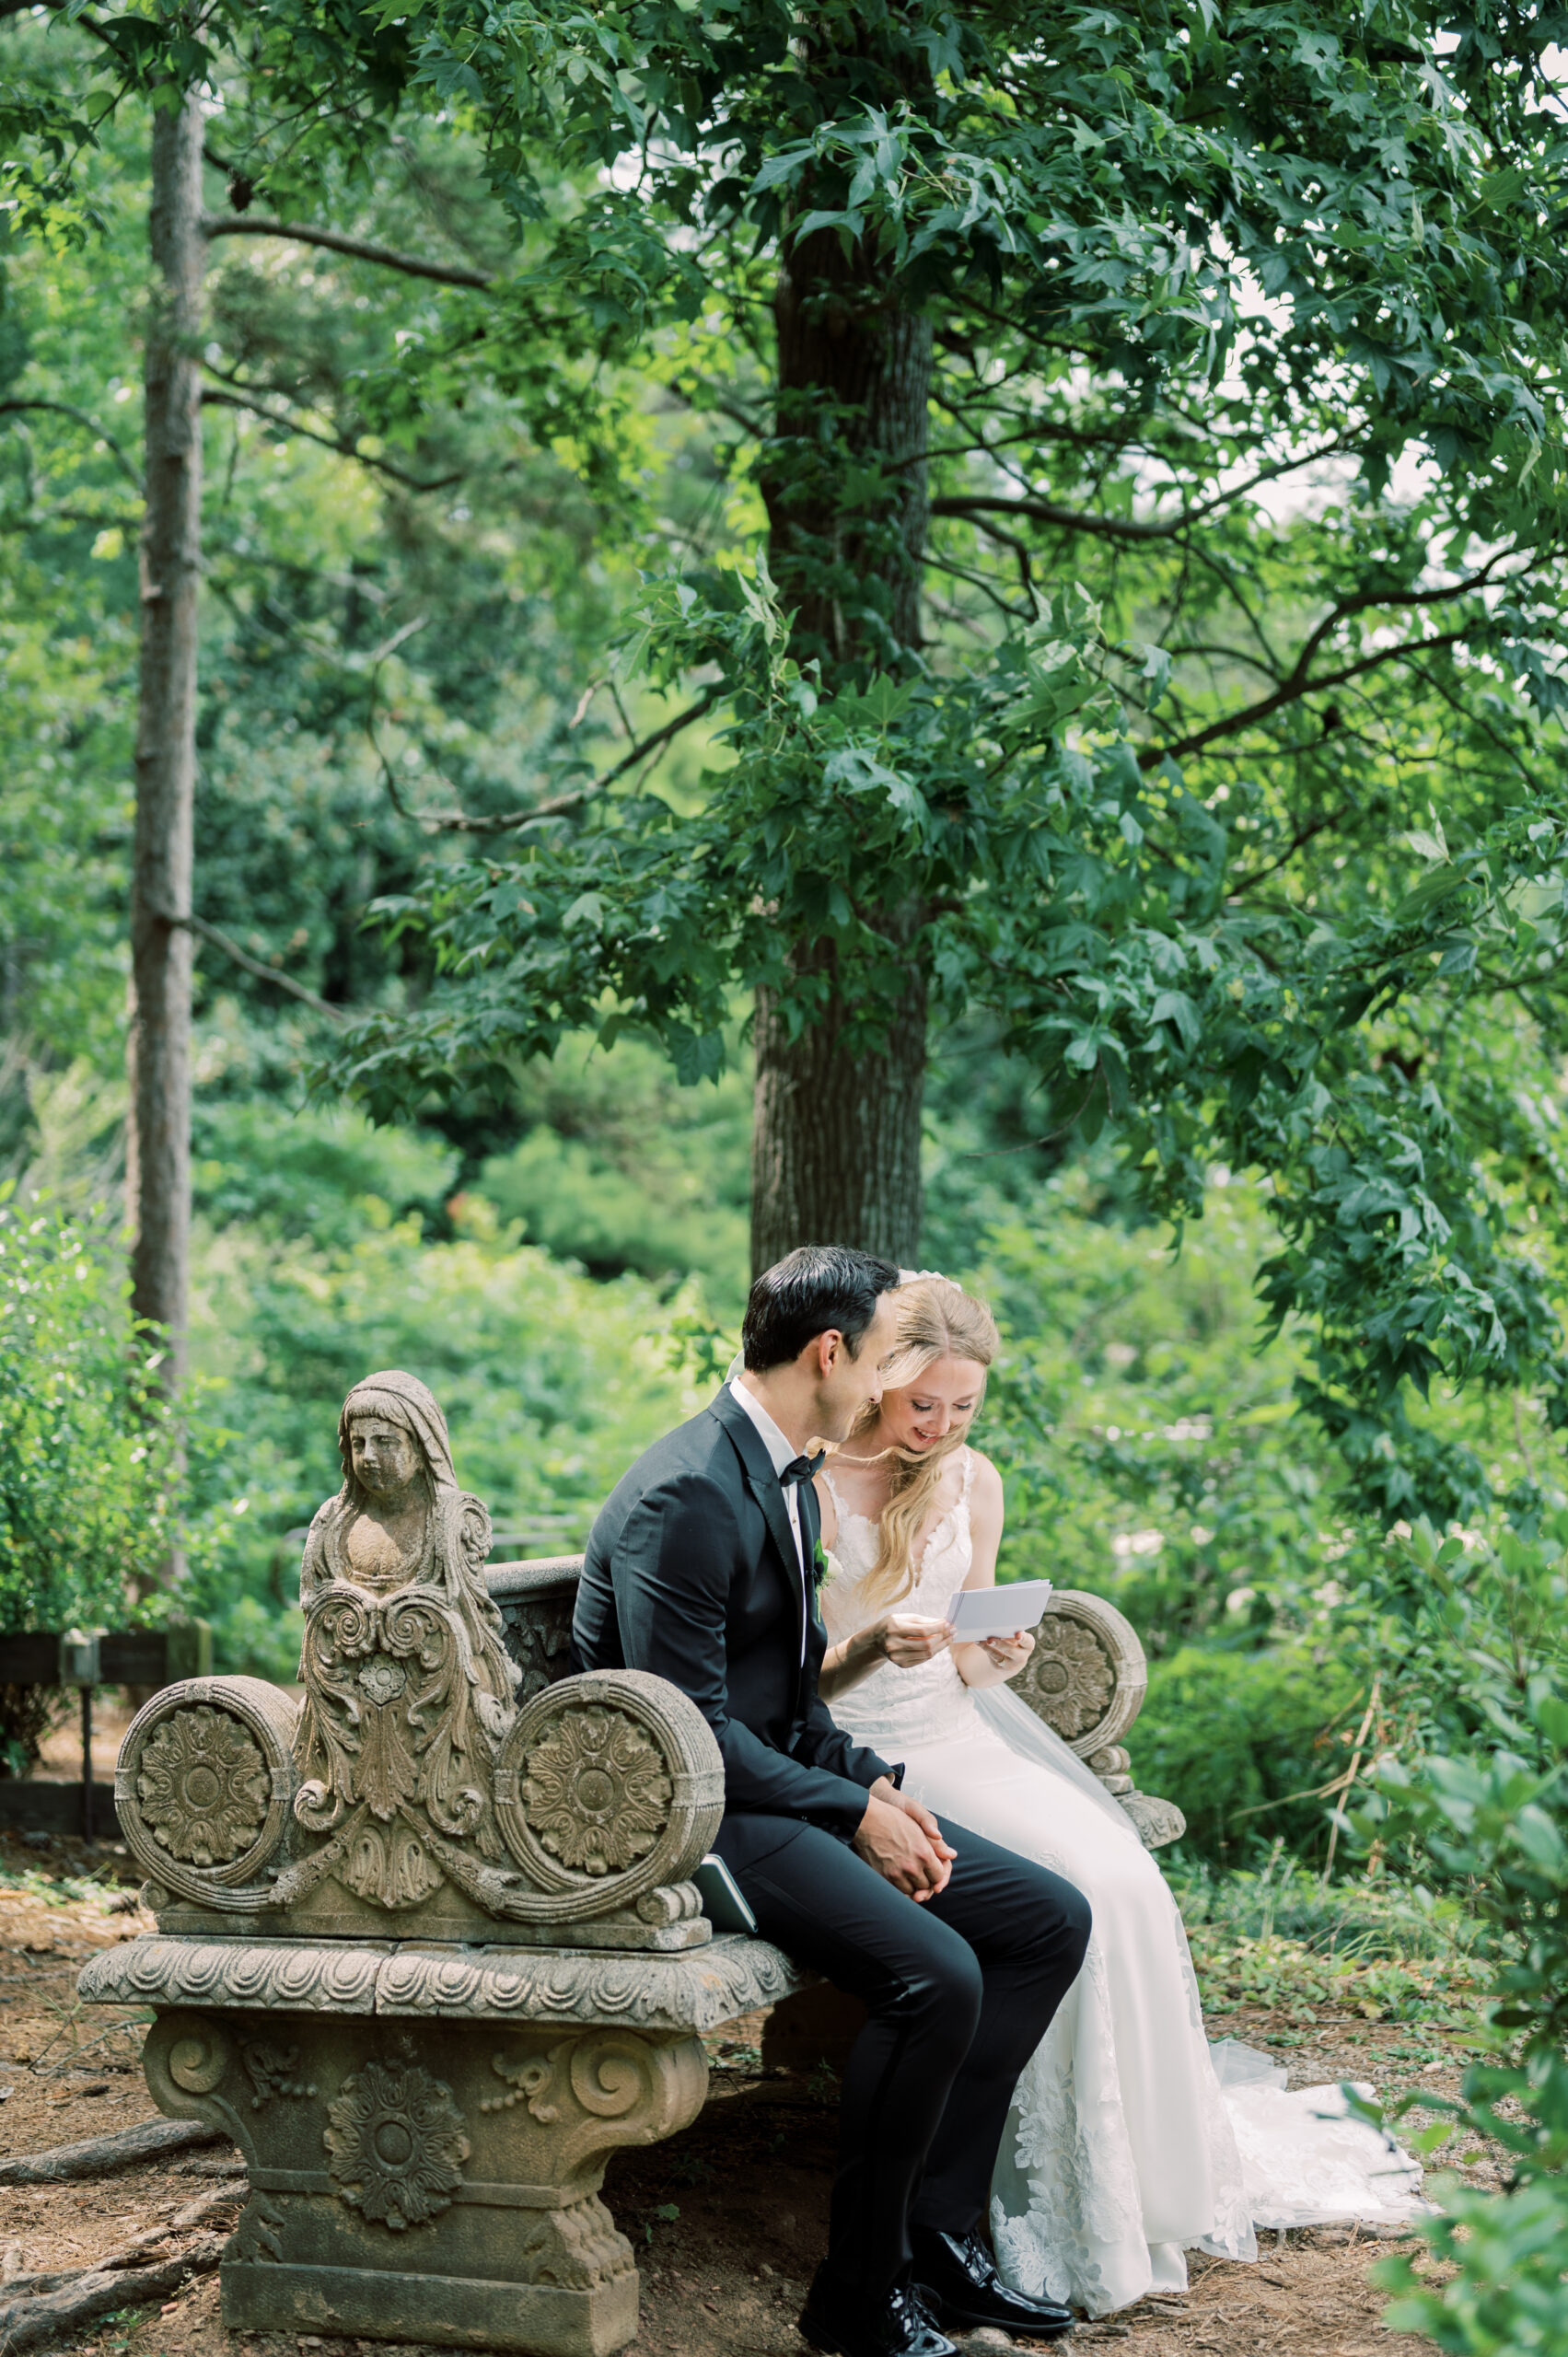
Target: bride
(1122, 2150)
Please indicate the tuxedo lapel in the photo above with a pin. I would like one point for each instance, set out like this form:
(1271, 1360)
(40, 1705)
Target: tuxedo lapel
(811, 1531)
(764, 1486)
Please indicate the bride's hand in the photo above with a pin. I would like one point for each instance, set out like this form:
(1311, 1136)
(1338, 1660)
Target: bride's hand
(908, 1639)
(1009, 1654)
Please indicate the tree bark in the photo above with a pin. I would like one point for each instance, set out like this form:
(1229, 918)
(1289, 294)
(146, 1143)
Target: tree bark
(166, 734)
(835, 1152)
(835, 1137)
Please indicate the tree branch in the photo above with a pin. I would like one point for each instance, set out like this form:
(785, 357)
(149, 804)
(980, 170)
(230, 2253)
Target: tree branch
(1291, 692)
(1298, 842)
(1298, 683)
(1125, 528)
(1066, 520)
(560, 805)
(205, 932)
(82, 417)
(300, 233)
(1010, 540)
(340, 442)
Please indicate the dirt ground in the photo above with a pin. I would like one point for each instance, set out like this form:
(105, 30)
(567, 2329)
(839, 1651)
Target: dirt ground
(726, 2219)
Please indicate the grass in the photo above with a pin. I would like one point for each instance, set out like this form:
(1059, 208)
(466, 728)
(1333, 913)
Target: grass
(60, 1890)
(1282, 1937)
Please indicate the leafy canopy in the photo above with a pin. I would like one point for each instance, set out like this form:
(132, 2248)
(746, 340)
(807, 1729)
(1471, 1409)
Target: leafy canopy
(1223, 770)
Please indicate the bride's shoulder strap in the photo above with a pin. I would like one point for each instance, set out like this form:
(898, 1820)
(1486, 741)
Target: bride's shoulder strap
(971, 1461)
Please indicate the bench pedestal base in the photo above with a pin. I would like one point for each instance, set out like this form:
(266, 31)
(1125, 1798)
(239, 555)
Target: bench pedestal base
(448, 2311)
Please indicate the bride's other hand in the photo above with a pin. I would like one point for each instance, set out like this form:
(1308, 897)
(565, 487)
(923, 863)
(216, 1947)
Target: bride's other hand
(992, 1660)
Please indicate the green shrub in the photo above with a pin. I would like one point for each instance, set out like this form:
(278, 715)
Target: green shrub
(91, 1500)
(95, 1464)
(1488, 1823)
(1233, 1739)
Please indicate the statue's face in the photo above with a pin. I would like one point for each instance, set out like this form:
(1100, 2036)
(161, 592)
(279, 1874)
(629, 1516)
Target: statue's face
(386, 1458)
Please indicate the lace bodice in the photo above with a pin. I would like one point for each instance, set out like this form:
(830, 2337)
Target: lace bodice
(894, 1704)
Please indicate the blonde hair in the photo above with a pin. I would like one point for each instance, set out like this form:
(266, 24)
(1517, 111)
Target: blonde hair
(937, 1319)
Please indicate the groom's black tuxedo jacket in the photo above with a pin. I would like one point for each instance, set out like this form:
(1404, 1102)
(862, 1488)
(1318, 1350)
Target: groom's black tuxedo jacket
(693, 1573)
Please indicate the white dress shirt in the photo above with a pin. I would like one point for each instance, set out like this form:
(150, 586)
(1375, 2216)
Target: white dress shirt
(782, 1452)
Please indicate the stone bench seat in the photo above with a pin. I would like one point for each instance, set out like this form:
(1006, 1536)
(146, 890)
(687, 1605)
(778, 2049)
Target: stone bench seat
(428, 2014)
(694, 1992)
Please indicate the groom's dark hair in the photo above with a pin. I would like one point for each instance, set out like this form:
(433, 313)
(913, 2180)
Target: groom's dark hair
(816, 1287)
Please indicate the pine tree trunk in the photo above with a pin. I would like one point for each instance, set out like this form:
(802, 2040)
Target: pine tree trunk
(165, 736)
(835, 1152)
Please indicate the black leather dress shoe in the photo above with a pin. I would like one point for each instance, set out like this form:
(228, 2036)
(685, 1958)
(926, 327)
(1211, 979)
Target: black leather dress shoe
(898, 2326)
(957, 2276)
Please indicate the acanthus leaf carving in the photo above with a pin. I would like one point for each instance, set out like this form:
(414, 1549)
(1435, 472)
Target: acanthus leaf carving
(270, 2070)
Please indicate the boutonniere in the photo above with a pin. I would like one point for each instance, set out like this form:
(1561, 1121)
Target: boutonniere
(822, 1566)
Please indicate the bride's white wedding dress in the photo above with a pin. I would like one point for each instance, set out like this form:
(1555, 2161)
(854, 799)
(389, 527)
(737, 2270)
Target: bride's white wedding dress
(1123, 2148)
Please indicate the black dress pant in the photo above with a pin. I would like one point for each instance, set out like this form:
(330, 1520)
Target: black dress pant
(959, 1990)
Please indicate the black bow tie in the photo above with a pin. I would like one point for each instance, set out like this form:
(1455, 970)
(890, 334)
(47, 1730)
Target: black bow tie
(802, 1469)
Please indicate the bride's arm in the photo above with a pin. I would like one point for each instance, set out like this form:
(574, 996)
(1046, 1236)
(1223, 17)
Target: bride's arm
(995, 1659)
(905, 1639)
(902, 1638)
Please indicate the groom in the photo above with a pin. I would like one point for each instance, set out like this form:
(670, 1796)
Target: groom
(700, 1568)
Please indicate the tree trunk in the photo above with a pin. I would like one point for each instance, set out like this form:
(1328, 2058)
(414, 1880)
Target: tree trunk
(835, 1151)
(166, 735)
(835, 1138)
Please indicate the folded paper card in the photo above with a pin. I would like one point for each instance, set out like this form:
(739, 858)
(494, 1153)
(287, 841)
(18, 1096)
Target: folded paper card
(978, 1612)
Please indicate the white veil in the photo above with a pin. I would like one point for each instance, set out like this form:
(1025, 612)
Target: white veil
(1033, 1740)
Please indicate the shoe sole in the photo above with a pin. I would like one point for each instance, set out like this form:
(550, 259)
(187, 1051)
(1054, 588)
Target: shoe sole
(820, 2338)
(951, 2321)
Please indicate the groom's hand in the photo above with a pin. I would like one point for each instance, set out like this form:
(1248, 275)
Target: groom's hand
(904, 1844)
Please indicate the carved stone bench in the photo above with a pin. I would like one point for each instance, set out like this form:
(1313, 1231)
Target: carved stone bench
(428, 1951)
(1085, 1679)
(425, 2120)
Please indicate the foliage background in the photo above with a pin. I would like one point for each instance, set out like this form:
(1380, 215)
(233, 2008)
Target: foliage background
(418, 566)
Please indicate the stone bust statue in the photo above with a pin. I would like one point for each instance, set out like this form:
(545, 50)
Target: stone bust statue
(407, 1688)
(400, 1521)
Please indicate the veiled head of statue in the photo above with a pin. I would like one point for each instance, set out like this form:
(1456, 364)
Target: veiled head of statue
(391, 1430)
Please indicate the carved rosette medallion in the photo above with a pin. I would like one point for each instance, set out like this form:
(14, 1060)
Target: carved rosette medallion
(595, 1792)
(204, 1788)
(1071, 1678)
(608, 1790)
(397, 2142)
(1088, 1675)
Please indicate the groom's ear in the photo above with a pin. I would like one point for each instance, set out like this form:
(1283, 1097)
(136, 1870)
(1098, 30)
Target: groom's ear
(824, 1351)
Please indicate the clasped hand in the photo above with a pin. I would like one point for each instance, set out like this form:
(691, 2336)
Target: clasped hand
(904, 1843)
